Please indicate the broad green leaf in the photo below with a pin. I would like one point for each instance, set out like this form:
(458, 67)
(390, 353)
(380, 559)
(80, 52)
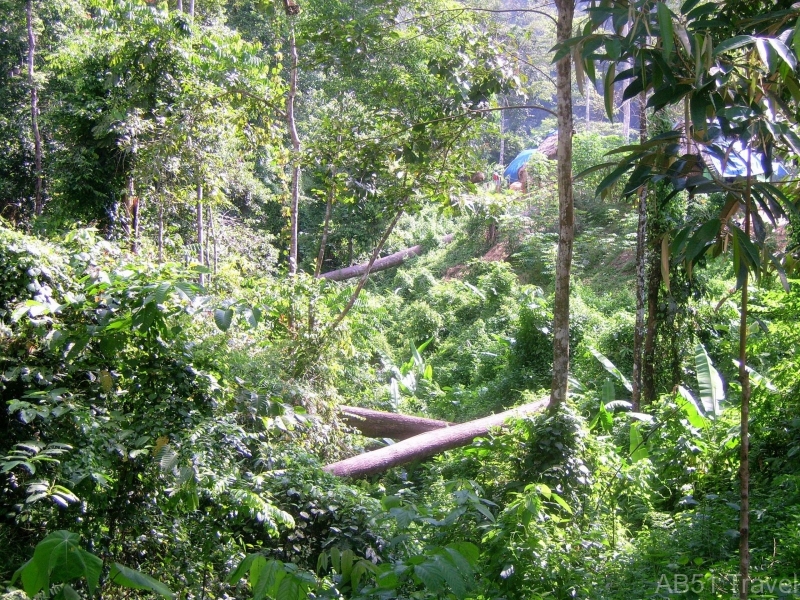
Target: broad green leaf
(699, 242)
(270, 577)
(561, 502)
(733, 43)
(668, 94)
(638, 450)
(608, 94)
(796, 38)
(223, 318)
(686, 402)
(430, 576)
(784, 52)
(468, 550)
(544, 490)
(68, 593)
(611, 368)
(135, 580)
(665, 28)
(161, 292)
(712, 391)
(289, 588)
(612, 178)
(241, 570)
(766, 54)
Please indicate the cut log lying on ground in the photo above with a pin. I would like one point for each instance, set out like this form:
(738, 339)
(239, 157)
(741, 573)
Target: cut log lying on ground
(380, 424)
(387, 262)
(426, 444)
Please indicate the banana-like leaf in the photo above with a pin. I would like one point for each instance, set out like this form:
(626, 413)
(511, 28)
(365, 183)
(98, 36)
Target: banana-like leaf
(712, 391)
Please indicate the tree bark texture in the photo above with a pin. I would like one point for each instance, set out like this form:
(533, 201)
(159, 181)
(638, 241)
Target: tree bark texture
(641, 275)
(651, 329)
(38, 204)
(294, 202)
(380, 424)
(427, 444)
(381, 264)
(200, 232)
(566, 233)
(744, 448)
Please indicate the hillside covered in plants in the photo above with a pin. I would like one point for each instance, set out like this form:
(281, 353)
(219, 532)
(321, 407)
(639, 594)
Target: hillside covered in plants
(279, 320)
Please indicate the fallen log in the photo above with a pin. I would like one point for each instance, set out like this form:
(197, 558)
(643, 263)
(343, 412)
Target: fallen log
(381, 264)
(380, 424)
(426, 444)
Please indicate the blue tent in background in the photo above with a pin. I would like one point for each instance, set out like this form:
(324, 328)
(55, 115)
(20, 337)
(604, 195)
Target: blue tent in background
(520, 161)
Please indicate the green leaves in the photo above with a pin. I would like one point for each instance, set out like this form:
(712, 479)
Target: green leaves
(58, 558)
(133, 579)
(712, 391)
(665, 28)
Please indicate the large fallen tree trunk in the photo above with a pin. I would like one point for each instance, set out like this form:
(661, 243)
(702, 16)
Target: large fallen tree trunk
(426, 444)
(380, 424)
(387, 262)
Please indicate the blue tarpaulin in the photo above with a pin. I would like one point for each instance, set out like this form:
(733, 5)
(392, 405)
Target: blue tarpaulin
(734, 160)
(520, 161)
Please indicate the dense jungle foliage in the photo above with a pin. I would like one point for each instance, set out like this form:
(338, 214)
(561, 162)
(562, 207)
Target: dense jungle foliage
(178, 183)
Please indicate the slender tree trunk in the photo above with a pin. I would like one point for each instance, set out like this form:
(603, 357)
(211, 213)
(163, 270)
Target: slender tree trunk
(589, 87)
(38, 204)
(354, 296)
(191, 8)
(328, 209)
(208, 237)
(649, 352)
(744, 450)
(502, 159)
(214, 243)
(200, 231)
(641, 274)
(160, 226)
(179, 5)
(566, 233)
(294, 203)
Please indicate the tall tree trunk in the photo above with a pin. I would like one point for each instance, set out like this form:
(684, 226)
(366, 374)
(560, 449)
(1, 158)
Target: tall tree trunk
(649, 351)
(214, 243)
(179, 5)
(191, 8)
(160, 225)
(589, 87)
(502, 159)
(200, 231)
(566, 233)
(744, 450)
(38, 204)
(641, 274)
(132, 209)
(294, 203)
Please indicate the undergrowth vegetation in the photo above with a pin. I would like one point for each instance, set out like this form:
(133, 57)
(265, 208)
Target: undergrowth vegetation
(164, 429)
